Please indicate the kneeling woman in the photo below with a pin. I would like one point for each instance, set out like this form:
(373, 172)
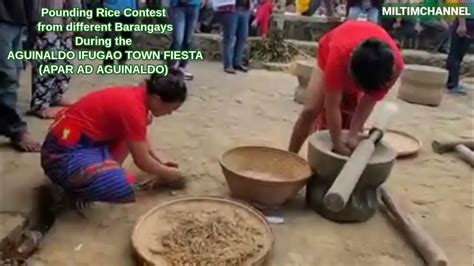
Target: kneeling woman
(87, 144)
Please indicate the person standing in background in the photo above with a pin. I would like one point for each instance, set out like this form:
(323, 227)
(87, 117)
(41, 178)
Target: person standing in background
(263, 18)
(183, 15)
(328, 4)
(14, 16)
(47, 91)
(302, 7)
(462, 32)
(235, 17)
(360, 9)
(119, 5)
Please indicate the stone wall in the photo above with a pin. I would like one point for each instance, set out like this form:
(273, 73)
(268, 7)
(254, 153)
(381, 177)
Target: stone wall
(304, 28)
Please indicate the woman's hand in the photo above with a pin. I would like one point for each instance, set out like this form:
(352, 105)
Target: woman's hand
(254, 23)
(163, 158)
(172, 179)
(171, 176)
(461, 30)
(353, 141)
(342, 149)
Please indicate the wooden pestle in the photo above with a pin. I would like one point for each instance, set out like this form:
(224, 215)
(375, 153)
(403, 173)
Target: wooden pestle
(462, 147)
(465, 153)
(423, 242)
(341, 190)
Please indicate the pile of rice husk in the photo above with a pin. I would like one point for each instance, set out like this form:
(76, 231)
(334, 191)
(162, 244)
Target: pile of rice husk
(209, 238)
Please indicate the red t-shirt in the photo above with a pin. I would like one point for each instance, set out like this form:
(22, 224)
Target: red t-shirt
(112, 114)
(335, 50)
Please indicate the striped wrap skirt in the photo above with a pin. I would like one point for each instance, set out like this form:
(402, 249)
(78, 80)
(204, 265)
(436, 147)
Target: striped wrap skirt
(84, 169)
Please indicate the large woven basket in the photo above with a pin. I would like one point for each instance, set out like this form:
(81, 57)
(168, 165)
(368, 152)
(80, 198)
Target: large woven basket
(293, 170)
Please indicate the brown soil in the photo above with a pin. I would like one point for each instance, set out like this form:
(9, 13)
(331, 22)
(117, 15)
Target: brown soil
(225, 111)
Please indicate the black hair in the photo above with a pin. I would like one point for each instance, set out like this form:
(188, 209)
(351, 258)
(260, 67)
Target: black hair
(372, 64)
(171, 88)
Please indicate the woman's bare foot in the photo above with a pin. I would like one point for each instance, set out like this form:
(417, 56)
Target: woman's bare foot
(46, 113)
(26, 143)
(64, 102)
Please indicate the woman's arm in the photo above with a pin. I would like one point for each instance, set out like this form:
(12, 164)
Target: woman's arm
(162, 158)
(363, 110)
(144, 160)
(333, 116)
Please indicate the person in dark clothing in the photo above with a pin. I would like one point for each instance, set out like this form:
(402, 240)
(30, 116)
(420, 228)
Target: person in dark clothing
(120, 5)
(462, 32)
(14, 16)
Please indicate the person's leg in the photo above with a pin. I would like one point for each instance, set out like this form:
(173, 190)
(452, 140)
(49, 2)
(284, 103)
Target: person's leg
(11, 124)
(458, 48)
(308, 119)
(110, 35)
(314, 6)
(177, 16)
(354, 13)
(62, 80)
(229, 24)
(242, 33)
(373, 15)
(125, 35)
(191, 14)
(43, 87)
(86, 172)
(108, 185)
(329, 5)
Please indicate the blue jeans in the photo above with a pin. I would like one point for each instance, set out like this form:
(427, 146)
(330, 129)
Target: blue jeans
(356, 12)
(457, 50)
(11, 124)
(184, 20)
(236, 31)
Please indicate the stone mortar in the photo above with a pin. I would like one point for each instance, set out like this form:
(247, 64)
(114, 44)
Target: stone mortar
(303, 71)
(422, 84)
(326, 166)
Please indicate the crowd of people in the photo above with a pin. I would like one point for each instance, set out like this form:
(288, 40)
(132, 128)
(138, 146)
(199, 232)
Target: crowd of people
(357, 64)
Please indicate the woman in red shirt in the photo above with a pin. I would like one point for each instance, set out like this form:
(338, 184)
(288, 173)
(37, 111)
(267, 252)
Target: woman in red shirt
(87, 144)
(263, 17)
(358, 62)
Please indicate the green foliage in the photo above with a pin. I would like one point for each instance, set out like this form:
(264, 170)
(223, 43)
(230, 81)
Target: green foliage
(273, 49)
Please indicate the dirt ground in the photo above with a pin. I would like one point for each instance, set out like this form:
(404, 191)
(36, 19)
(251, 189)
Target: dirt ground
(225, 111)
